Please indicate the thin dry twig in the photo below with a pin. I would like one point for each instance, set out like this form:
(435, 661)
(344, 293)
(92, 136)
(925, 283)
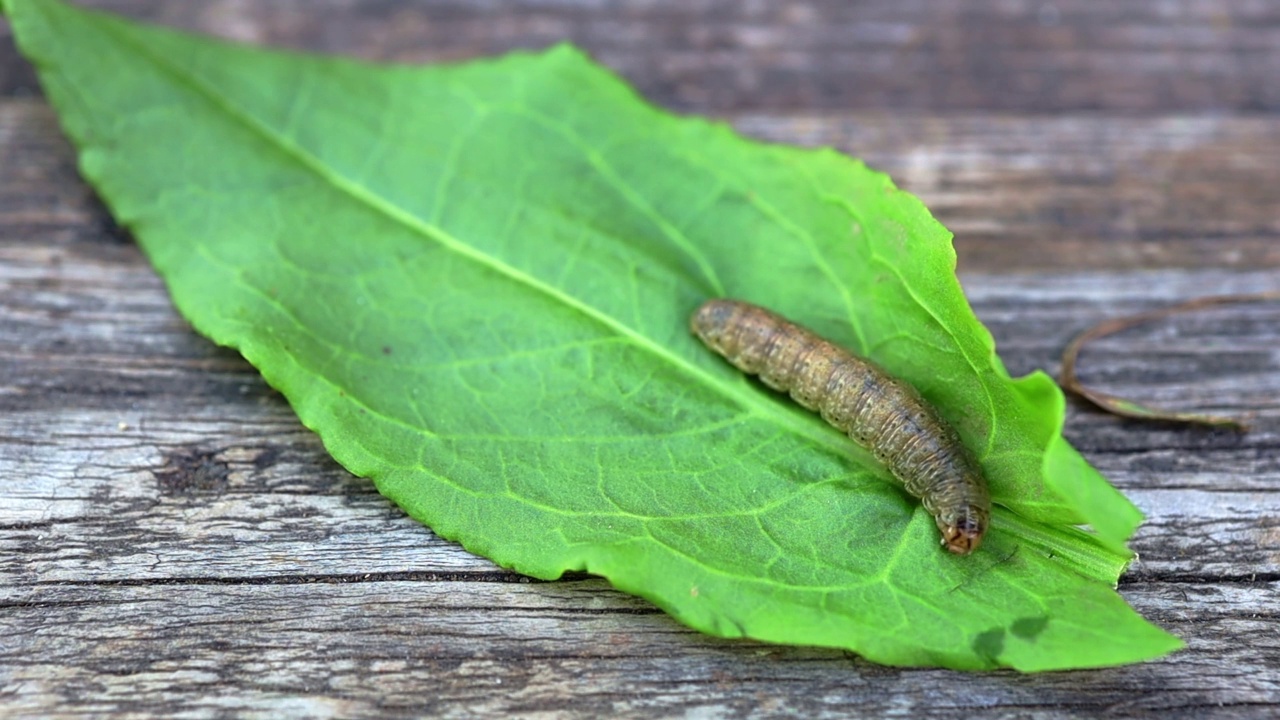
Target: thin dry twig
(1128, 408)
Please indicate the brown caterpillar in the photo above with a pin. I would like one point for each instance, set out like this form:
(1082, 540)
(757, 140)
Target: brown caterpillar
(880, 412)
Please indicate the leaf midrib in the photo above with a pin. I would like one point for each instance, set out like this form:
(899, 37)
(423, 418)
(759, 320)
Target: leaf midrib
(753, 402)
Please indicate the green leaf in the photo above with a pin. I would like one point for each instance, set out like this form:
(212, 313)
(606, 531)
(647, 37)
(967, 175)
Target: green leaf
(474, 283)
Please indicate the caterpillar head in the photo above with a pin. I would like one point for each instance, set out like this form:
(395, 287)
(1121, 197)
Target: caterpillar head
(962, 530)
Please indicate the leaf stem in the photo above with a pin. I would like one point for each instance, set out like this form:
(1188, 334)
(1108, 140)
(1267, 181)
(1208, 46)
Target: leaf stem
(1128, 408)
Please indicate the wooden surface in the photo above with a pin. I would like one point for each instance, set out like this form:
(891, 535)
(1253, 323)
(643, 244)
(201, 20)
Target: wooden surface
(172, 542)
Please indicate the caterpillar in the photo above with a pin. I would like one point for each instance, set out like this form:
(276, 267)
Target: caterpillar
(879, 412)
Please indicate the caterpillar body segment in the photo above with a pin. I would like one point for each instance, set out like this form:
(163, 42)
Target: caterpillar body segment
(881, 413)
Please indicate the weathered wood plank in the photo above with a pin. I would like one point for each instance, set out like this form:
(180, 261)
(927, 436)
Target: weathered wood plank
(726, 56)
(74, 511)
(1021, 194)
(336, 649)
(1074, 192)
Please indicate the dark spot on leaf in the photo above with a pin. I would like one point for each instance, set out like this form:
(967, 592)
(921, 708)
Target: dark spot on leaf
(1028, 628)
(386, 349)
(188, 471)
(990, 643)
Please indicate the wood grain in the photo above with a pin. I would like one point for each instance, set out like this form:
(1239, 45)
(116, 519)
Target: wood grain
(1078, 191)
(723, 56)
(1021, 194)
(172, 542)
